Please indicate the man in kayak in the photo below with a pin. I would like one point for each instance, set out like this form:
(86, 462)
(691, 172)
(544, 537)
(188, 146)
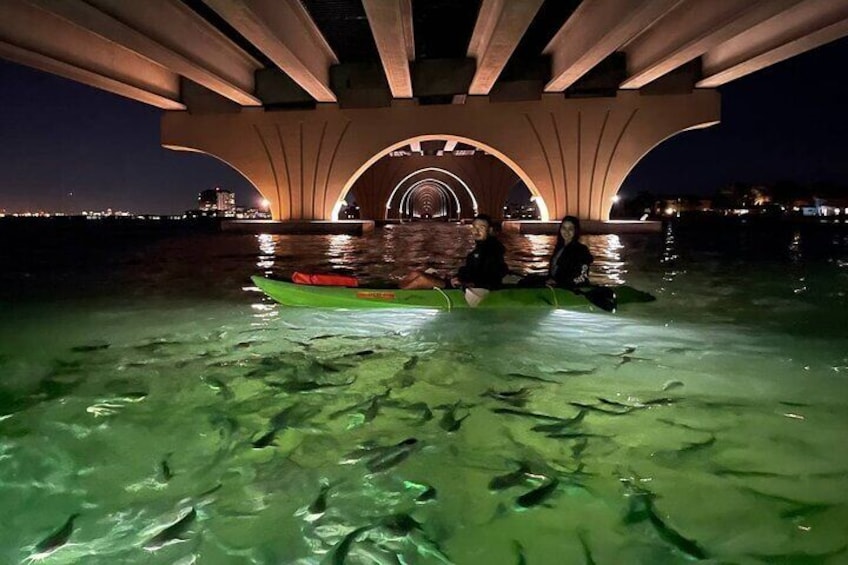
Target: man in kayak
(484, 267)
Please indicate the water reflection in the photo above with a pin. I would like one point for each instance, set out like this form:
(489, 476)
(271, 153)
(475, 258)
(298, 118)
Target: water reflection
(669, 254)
(340, 249)
(795, 252)
(267, 252)
(608, 268)
(392, 251)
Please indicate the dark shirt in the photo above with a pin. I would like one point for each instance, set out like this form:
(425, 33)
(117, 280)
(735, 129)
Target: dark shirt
(570, 265)
(485, 266)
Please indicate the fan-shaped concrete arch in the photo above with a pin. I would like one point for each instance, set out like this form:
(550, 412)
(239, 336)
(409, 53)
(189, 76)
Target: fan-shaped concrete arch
(572, 153)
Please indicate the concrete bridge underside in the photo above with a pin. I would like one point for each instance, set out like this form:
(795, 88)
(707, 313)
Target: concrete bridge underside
(572, 153)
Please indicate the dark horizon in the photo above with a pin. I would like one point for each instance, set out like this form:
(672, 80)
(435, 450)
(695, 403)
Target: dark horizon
(68, 147)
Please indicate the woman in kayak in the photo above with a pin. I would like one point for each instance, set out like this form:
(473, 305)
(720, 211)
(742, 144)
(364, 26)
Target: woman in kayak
(484, 267)
(569, 267)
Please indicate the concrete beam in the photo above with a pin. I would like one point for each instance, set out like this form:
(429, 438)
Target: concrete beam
(169, 34)
(408, 28)
(284, 32)
(500, 26)
(386, 19)
(35, 37)
(61, 68)
(801, 28)
(690, 30)
(596, 29)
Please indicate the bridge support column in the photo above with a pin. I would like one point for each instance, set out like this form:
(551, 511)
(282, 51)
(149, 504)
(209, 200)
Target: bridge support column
(573, 153)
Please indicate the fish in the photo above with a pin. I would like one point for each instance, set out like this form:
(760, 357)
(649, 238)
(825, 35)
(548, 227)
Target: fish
(307, 386)
(724, 472)
(264, 441)
(400, 524)
(805, 510)
(369, 408)
(519, 552)
(538, 495)
(531, 378)
(697, 445)
(576, 372)
(670, 385)
(584, 544)
(427, 495)
(662, 401)
(423, 412)
(55, 540)
(578, 448)
(338, 554)
(560, 426)
(361, 452)
(427, 492)
(575, 435)
(514, 478)
(90, 347)
(410, 363)
(156, 345)
(449, 422)
(319, 505)
(517, 398)
(794, 404)
(167, 475)
(292, 416)
(682, 425)
(536, 415)
(687, 546)
(218, 386)
(392, 456)
(173, 533)
(642, 508)
(324, 336)
(600, 410)
(800, 508)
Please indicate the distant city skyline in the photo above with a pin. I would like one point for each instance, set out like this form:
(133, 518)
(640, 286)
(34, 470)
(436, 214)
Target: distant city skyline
(68, 147)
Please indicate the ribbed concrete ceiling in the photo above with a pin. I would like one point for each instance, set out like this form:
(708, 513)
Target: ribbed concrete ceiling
(370, 53)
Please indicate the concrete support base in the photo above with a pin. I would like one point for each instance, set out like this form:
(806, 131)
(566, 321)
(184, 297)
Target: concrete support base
(344, 227)
(586, 226)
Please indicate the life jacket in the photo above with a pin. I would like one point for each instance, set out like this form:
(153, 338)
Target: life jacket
(319, 279)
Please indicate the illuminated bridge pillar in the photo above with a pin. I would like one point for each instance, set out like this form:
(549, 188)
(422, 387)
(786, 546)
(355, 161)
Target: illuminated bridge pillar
(572, 153)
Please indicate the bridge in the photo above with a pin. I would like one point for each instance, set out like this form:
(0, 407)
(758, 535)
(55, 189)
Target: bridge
(420, 107)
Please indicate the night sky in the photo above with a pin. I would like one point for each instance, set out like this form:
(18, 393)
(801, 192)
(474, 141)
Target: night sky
(68, 147)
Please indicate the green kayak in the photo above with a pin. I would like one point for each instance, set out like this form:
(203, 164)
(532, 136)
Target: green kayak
(291, 294)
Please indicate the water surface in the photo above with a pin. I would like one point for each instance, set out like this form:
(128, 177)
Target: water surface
(145, 383)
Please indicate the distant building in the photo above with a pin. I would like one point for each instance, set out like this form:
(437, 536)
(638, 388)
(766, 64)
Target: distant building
(220, 202)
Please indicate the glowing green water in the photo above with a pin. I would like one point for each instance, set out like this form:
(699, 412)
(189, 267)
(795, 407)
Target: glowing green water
(713, 421)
